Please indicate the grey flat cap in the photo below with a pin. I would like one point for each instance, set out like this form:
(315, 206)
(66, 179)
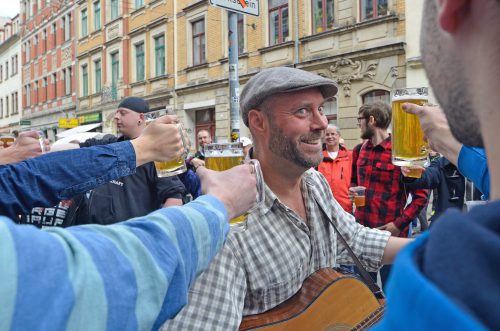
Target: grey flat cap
(280, 80)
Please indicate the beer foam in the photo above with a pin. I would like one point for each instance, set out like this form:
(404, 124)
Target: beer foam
(410, 97)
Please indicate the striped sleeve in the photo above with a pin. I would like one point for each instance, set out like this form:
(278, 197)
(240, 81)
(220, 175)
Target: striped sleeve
(128, 276)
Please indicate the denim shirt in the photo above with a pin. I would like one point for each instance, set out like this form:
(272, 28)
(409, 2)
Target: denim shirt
(45, 180)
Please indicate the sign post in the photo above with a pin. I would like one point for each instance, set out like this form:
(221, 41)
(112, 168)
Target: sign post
(250, 7)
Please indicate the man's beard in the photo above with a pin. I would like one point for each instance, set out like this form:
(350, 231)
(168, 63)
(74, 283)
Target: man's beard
(368, 133)
(283, 146)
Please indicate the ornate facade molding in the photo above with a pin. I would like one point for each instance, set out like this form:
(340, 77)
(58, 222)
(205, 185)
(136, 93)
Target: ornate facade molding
(345, 71)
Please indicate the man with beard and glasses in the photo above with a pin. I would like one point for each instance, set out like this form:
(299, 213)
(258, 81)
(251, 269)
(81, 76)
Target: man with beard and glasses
(386, 196)
(451, 273)
(289, 236)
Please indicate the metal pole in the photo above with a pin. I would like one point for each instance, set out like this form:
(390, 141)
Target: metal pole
(234, 88)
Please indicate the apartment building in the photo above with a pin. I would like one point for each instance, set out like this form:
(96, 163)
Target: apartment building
(48, 64)
(175, 54)
(10, 76)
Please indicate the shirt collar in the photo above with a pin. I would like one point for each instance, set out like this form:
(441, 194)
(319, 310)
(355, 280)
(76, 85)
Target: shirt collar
(385, 144)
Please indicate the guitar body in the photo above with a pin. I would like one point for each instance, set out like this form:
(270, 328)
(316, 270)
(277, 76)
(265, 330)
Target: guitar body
(327, 301)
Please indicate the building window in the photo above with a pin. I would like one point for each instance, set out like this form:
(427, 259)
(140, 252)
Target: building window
(115, 64)
(376, 95)
(373, 8)
(15, 63)
(85, 81)
(97, 68)
(1, 73)
(139, 4)
(278, 21)
(160, 56)
(35, 46)
(97, 15)
(139, 62)
(6, 106)
(27, 92)
(1, 108)
(54, 34)
(198, 28)
(67, 80)
(322, 15)
(114, 9)
(44, 37)
(330, 111)
(15, 106)
(63, 25)
(6, 70)
(54, 84)
(84, 22)
(45, 89)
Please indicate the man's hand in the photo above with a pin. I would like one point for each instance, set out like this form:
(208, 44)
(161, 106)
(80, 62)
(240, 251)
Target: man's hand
(393, 229)
(436, 130)
(407, 170)
(237, 199)
(160, 141)
(26, 146)
(196, 162)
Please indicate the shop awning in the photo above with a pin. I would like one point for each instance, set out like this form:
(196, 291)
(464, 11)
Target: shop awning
(78, 129)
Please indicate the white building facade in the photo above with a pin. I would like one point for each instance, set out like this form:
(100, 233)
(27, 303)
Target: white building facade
(10, 76)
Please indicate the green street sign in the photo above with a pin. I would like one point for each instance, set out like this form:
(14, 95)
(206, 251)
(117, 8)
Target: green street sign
(25, 122)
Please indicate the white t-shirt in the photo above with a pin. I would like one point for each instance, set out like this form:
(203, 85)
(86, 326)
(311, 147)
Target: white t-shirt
(333, 155)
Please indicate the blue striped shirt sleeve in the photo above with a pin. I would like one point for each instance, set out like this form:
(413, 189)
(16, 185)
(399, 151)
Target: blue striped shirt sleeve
(128, 276)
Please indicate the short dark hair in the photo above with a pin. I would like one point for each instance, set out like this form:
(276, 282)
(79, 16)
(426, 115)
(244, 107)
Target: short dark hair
(380, 111)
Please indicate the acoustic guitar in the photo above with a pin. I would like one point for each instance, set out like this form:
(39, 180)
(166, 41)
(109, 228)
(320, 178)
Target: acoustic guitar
(328, 301)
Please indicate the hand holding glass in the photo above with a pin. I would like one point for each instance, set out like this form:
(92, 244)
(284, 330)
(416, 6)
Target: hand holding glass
(409, 149)
(220, 157)
(172, 167)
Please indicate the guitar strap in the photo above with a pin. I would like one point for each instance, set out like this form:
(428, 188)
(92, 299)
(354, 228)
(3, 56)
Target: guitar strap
(362, 271)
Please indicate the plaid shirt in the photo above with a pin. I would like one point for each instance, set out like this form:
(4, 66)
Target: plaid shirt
(265, 265)
(386, 195)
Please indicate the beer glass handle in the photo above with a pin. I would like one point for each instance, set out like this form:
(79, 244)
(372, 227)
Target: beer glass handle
(259, 200)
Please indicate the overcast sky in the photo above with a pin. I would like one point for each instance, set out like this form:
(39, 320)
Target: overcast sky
(9, 8)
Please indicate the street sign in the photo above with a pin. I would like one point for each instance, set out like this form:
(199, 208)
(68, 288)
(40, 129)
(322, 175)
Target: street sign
(25, 122)
(68, 123)
(250, 7)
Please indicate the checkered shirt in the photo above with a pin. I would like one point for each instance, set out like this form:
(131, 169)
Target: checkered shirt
(386, 194)
(265, 265)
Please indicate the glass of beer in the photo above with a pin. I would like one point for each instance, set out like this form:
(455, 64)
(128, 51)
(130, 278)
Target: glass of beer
(6, 140)
(224, 156)
(175, 166)
(408, 146)
(359, 198)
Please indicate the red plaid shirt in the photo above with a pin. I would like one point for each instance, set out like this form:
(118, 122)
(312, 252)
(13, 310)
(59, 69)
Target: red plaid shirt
(386, 195)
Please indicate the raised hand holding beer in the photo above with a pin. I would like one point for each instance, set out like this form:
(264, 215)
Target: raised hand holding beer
(409, 148)
(161, 140)
(221, 157)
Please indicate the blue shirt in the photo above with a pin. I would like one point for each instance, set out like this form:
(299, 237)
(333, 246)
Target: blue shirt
(128, 276)
(472, 163)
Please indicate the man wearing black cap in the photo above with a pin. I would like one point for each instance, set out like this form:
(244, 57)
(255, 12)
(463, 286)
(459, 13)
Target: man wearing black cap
(129, 196)
(290, 236)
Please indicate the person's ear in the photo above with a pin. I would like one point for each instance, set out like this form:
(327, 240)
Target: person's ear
(452, 14)
(141, 119)
(257, 120)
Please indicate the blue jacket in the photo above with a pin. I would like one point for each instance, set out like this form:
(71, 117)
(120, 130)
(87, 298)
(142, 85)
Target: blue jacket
(448, 278)
(442, 175)
(131, 276)
(473, 164)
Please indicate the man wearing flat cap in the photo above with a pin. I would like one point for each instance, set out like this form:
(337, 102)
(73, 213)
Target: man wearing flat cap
(130, 196)
(290, 236)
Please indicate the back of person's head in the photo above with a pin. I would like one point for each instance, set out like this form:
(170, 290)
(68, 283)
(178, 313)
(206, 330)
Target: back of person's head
(380, 111)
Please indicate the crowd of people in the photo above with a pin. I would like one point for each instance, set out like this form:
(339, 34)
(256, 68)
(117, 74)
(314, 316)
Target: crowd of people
(122, 248)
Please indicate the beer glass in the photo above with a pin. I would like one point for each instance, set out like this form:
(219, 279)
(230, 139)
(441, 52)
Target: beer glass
(41, 140)
(408, 146)
(6, 140)
(175, 166)
(224, 156)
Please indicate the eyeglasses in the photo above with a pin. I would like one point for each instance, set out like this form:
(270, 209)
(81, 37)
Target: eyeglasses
(360, 118)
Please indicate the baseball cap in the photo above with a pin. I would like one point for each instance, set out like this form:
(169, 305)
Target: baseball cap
(139, 105)
(281, 80)
(245, 141)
